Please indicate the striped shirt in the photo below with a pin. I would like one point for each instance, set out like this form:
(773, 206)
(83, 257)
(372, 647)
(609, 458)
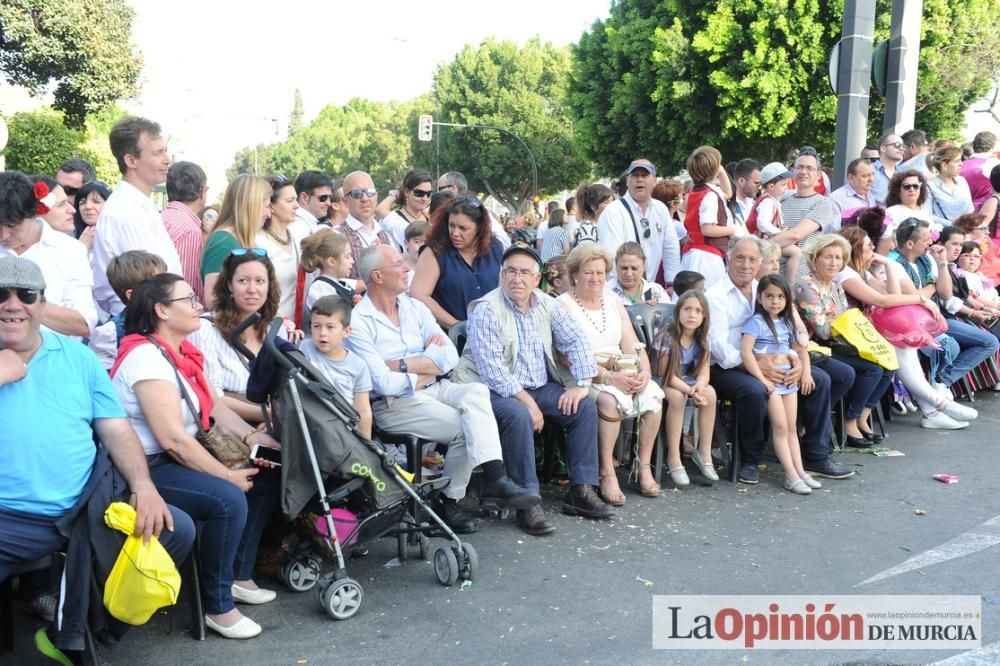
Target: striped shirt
(529, 371)
(949, 205)
(184, 229)
(794, 209)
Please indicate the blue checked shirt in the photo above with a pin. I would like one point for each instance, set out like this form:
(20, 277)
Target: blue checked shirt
(529, 371)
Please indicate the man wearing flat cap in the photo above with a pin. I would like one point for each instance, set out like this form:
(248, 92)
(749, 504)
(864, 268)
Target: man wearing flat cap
(639, 217)
(514, 334)
(55, 394)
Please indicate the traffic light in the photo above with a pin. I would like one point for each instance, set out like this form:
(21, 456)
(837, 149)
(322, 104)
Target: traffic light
(425, 127)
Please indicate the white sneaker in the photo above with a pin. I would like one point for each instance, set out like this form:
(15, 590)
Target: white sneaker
(941, 421)
(943, 391)
(960, 412)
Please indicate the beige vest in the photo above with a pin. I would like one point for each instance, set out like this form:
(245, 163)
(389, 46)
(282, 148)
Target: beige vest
(465, 372)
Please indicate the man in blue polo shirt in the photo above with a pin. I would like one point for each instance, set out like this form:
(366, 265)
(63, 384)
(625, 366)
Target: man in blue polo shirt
(55, 395)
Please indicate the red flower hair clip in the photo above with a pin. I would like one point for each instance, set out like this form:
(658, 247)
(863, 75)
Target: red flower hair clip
(45, 198)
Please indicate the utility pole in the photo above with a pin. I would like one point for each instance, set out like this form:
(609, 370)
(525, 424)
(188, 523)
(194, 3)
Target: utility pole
(904, 52)
(853, 83)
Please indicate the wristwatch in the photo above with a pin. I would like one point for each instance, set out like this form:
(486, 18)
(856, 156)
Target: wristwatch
(402, 366)
(583, 383)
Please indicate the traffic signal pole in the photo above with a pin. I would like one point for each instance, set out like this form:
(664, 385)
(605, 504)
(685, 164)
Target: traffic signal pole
(853, 84)
(904, 52)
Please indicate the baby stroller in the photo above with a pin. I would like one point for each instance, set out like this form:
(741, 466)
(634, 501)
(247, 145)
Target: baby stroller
(344, 488)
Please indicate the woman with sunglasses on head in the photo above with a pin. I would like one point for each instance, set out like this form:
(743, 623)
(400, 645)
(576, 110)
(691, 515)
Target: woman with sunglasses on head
(89, 201)
(909, 196)
(245, 206)
(160, 379)
(282, 245)
(459, 263)
(246, 285)
(411, 201)
(949, 191)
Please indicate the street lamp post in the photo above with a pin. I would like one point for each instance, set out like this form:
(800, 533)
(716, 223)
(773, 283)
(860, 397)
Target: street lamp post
(531, 156)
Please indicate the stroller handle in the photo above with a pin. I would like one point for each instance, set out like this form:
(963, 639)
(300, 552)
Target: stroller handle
(234, 337)
(272, 347)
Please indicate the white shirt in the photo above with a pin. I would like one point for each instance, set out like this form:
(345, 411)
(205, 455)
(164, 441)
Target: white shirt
(615, 227)
(498, 231)
(286, 267)
(394, 225)
(128, 221)
(144, 363)
(224, 368)
(304, 224)
(729, 309)
(69, 282)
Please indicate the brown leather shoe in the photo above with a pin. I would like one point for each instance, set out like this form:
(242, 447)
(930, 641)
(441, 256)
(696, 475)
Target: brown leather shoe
(583, 501)
(533, 521)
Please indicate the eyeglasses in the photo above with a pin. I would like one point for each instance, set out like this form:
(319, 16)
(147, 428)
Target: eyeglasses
(25, 295)
(985, 227)
(466, 200)
(520, 272)
(910, 186)
(362, 192)
(898, 144)
(70, 191)
(397, 264)
(323, 198)
(421, 194)
(803, 167)
(909, 226)
(646, 231)
(447, 188)
(873, 159)
(191, 298)
(241, 251)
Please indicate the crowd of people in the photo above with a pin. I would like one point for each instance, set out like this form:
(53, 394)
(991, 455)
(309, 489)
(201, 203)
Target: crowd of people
(125, 314)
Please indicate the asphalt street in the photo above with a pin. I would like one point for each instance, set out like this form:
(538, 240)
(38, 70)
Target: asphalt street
(583, 594)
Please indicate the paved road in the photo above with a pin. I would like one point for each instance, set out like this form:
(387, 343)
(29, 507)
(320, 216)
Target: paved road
(583, 594)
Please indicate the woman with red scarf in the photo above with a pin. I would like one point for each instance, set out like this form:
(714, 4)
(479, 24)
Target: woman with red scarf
(155, 363)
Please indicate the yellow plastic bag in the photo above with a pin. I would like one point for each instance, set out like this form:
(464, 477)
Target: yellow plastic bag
(144, 578)
(853, 326)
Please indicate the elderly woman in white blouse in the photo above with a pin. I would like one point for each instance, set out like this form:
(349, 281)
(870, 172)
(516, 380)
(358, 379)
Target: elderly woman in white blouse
(622, 387)
(245, 285)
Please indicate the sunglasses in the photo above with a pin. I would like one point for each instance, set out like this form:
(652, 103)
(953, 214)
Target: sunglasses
(323, 198)
(874, 159)
(277, 181)
(646, 232)
(421, 194)
(362, 192)
(898, 144)
(465, 200)
(25, 295)
(910, 186)
(243, 251)
(70, 191)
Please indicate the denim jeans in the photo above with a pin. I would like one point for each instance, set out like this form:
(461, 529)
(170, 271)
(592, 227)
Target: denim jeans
(870, 382)
(976, 345)
(233, 522)
(518, 440)
(749, 399)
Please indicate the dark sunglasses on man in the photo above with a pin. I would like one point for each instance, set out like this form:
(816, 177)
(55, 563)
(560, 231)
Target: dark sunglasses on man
(26, 296)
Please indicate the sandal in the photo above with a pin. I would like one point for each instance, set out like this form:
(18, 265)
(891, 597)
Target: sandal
(616, 498)
(650, 490)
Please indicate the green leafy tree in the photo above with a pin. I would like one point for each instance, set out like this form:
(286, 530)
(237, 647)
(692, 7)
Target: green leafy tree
(83, 47)
(660, 77)
(519, 88)
(295, 119)
(361, 135)
(40, 141)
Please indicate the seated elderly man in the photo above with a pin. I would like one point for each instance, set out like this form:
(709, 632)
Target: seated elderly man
(515, 332)
(406, 353)
(731, 303)
(51, 466)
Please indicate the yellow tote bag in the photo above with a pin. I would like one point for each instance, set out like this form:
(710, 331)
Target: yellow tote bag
(144, 578)
(855, 329)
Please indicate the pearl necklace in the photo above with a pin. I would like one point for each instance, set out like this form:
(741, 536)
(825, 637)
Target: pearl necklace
(586, 313)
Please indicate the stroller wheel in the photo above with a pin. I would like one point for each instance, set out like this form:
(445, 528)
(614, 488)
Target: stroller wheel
(470, 563)
(343, 598)
(402, 548)
(446, 566)
(300, 575)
